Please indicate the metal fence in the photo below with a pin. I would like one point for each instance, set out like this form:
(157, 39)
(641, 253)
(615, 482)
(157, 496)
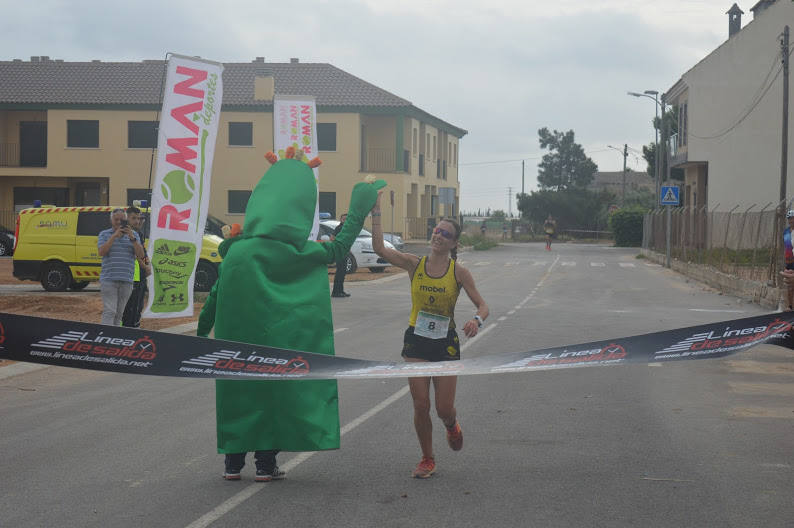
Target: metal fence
(743, 243)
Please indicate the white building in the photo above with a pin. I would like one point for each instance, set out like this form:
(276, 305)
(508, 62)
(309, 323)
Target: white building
(730, 115)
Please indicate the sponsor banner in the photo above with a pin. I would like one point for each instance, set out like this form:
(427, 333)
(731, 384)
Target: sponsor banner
(295, 125)
(181, 190)
(133, 351)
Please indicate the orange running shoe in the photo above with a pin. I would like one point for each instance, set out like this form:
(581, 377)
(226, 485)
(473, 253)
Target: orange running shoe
(424, 468)
(455, 437)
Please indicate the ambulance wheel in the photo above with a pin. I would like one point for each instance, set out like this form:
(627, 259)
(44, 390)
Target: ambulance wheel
(78, 285)
(206, 275)
(55, 277)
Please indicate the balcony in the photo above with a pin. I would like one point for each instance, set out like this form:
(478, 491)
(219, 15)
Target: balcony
(677, 153)
(9, 155)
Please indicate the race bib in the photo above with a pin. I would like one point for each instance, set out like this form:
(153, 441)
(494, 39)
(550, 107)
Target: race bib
(432, 326)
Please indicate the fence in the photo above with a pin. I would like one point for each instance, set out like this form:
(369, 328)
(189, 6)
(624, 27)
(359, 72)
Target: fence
(744, 244)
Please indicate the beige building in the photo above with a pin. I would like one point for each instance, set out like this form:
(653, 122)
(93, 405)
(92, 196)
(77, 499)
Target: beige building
(83, 133)
(730, 103)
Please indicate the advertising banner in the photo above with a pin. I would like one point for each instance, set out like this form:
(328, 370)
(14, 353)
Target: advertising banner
(135, 351)
(295, 125)
(181, 190)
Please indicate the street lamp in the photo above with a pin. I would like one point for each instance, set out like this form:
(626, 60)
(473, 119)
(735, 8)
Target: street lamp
(625, 153)
(653, 94)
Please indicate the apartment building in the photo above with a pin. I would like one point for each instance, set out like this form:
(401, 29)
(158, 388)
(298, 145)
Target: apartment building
(730, 104)
(83, 133)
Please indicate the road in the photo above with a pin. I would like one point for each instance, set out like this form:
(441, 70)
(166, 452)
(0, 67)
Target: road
(700, 443)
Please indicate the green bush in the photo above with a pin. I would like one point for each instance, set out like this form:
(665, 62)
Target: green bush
(626, 225)
(478, 242)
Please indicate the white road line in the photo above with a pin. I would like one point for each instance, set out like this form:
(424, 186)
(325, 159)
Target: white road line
(568, 263)
(597, 265)
(511, 312)
(651, 265)
(337, 330)
(539, 263)
(482, 263)
(502, 318)
(627, 265)
(715, 311)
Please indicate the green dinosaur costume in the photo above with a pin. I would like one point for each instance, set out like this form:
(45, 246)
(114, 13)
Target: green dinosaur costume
(273, 290)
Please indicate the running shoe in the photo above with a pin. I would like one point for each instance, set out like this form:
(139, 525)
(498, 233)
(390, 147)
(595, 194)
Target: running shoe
(231, 474)
(424, 468)
(266, 475)
(455, 437)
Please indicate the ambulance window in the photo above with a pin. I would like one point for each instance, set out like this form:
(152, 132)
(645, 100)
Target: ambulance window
(92, 222)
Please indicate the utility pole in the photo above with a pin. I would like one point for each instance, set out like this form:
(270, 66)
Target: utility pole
(623, 188)
(509, 202)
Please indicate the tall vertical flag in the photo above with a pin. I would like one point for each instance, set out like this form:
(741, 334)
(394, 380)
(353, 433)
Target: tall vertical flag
(295, 125)
(181, 190)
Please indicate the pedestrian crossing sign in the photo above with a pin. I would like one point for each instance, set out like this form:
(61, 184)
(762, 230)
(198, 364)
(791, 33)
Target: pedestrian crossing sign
(669, 195)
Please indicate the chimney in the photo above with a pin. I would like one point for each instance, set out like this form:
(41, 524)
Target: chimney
(34, 58)
(734, 20)
(294, 60)
(264, 86)
(259, 59)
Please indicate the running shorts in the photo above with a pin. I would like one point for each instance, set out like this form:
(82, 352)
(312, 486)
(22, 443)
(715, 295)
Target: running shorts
(418, 347)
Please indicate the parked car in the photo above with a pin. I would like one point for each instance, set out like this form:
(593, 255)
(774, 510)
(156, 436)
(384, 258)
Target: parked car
(395, 241)
(361, 253)
(7, 240)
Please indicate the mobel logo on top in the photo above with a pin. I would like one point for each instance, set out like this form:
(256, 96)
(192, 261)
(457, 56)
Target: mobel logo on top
(179, 185)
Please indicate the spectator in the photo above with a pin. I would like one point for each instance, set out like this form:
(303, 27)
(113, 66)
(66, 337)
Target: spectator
(549, 227)
(788, 257)
(118, 246)
(143, 268)
(483, 228)
(504, 231)
(341, 266)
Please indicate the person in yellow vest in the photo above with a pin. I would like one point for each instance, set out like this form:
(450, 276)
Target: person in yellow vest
(436, 281)
(143, 268)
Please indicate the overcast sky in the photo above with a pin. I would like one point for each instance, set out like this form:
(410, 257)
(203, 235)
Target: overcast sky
(500, 69)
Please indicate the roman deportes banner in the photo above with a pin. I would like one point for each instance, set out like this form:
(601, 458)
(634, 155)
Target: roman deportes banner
(181, 190)
(133, 351)
(295, 125)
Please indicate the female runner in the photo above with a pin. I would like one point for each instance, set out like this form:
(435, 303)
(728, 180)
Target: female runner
(436, 281)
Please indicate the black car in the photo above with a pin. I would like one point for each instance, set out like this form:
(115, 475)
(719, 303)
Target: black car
(6, 242)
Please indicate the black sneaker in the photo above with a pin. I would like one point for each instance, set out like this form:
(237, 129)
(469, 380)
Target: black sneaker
(233, 465)
(266, 475)
(231, 474)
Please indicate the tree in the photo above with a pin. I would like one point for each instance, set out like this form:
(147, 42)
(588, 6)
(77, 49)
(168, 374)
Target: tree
(498, 215)
(565, 166)
(649, 151)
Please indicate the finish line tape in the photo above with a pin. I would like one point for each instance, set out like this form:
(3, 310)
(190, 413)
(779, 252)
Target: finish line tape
(135, 351)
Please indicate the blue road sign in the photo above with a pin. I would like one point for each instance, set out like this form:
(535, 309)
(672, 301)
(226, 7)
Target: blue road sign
(669, 195)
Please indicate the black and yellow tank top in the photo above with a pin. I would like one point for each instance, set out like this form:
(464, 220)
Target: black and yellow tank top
(434, 295)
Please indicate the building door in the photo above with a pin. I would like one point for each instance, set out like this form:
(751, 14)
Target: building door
(33, 144)
(87, 194)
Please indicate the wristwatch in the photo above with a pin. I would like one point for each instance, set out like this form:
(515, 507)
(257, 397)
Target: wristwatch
(479, 321)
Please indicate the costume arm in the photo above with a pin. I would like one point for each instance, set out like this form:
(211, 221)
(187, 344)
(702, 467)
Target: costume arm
(362, 200)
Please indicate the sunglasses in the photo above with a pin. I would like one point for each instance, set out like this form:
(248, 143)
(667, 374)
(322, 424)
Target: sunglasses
(444, 233)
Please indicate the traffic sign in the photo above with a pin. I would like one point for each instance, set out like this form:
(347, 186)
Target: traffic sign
(669, 195)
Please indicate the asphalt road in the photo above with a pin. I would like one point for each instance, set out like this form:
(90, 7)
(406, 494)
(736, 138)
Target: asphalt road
(702, 443)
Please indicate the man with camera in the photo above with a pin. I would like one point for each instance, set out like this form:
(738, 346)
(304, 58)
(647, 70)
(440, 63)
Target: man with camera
(120, 246)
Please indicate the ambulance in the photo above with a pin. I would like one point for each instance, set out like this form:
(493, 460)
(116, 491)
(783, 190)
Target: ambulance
(57, 246)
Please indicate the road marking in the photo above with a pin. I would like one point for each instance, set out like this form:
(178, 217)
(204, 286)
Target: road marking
(651, 265)
(627, 264)
(482, 263)
(336, 331)
(511, 312)
(502, 318)
(715, 311)
(569, 263)
(539, 263)
(597, 264)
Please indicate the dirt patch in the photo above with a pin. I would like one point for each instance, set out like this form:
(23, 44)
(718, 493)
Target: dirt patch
(6, 271)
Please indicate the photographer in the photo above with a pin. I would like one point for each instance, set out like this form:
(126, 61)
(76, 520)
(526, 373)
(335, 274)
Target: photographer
(119, 248)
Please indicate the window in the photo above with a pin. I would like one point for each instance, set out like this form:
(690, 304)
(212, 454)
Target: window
(434, 146)
(142, 134)
(82, 133)
(327, 203)
(241, 134)
(455, 152)
(90, 223)
(326, 137)
(427, 146)
(686, 122)
(414, 143)
(238, 200)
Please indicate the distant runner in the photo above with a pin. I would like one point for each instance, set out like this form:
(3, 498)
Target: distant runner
(549, 227)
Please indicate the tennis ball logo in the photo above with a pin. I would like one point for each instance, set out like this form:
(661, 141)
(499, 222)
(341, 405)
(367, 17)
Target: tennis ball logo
(178, 187)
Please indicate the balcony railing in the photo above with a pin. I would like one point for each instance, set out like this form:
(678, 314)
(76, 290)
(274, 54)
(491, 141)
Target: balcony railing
(380, 160)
